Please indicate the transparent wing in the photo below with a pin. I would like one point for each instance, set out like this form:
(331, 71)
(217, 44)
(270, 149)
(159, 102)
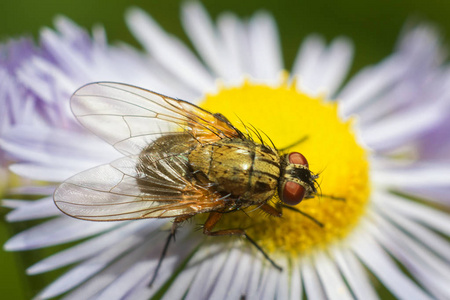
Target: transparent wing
(129, 118)
(121, 191)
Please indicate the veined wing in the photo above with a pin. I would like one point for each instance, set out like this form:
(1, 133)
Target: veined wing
(130, 118)
(121, 191)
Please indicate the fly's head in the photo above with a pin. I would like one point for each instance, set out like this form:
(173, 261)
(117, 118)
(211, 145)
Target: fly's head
(296, 181)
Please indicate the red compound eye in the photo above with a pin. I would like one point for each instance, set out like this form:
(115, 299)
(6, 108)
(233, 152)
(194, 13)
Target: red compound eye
(292, 193)
(297, 158)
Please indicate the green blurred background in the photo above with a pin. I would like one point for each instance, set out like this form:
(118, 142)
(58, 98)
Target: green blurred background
(373, 25)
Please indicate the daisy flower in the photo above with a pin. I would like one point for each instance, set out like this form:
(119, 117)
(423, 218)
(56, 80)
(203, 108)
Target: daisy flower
(380, 142)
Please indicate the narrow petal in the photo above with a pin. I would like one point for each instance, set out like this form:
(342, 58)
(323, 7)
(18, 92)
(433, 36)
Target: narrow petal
(296, 286)
(52, 174)
(332, 282)
(382, 266)
(425, 174)
(283, 289)
(430, 271)
(240, 277)
(256, 271)
(235, 40)
(37, 209)
(367, 84)
(313, 288)
(93, 266)
(184, 280)
(33, 190)
(265, 47)
(138, 275)
(225, 278)
(306, 62)
(94, 246)
(399, 130)
(438, 195)
(169, 51)
(201, 31)
(336, 65)
(268, 283)
(419, 232)
(55, 232)
(205, 280)
(431, 217)
(52, 147)
(320, 69)
(354, 274)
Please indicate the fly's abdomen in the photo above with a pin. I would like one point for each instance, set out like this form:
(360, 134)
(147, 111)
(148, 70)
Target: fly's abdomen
(237, 167)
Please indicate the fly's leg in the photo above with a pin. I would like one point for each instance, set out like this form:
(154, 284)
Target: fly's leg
(171, 236)
(280, 204)
(332, 197)
(212, 220)
(294, 144)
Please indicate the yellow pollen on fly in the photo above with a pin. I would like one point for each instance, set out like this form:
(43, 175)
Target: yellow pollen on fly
(286, 116)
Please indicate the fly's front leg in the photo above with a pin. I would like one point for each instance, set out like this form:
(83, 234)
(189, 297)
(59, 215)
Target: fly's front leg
(212, 220)
(273, 211)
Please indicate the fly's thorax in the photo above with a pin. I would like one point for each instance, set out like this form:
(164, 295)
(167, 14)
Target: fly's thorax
(239, 167)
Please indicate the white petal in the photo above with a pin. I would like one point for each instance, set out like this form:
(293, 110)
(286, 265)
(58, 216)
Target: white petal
(313, 288)
(368, 83)
(429, 270)
(431, 217)
(382, 266)
(403, 127)
(265, 47)
(37, 209)
(203, 35)
(425, 175)
(33, 190)
(54, 232)
(256, 271)
(57, 148)
(93, 246)
(336, 65)
(184, 280)
(268, 283)
(284, 287)
(93, 266)
(354, 274)
(64, 54)
(419, 232)
(236, 46)
(44, 173)
(241, 276)
(322, 70)
(205, 280)
(138, 275)
(332, 282)
(296, 286)
(437, 194)
(306, 62)
(14, 204)
(169, 51)
(225, 278)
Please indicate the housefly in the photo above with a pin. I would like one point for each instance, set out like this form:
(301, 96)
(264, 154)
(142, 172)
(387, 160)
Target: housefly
(179, 161)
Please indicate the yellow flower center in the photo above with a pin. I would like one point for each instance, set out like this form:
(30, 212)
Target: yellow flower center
(287, 116)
